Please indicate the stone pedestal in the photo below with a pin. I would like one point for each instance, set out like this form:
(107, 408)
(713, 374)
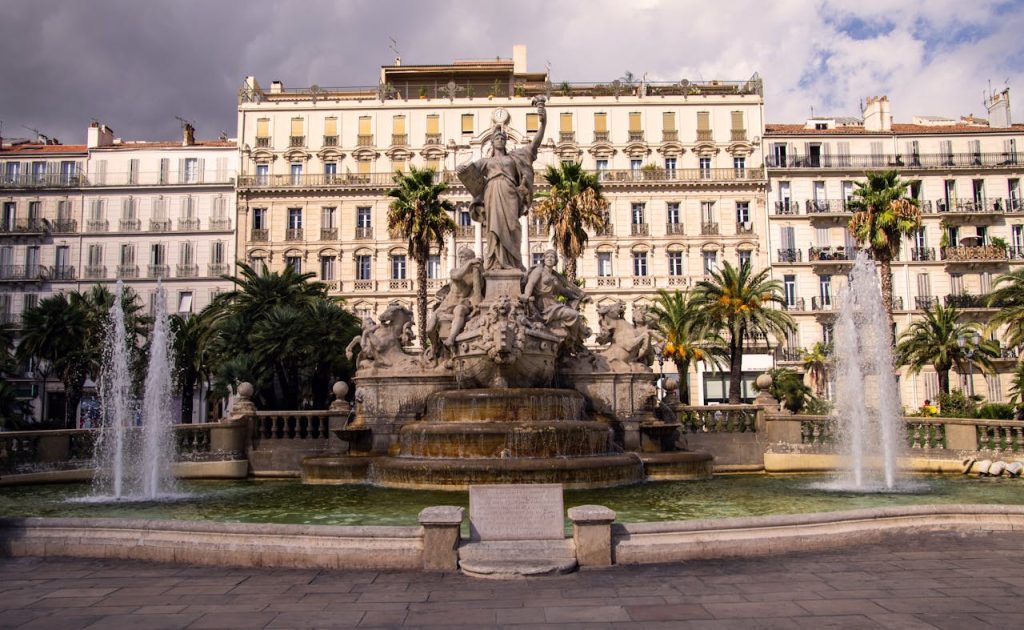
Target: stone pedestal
(502, 283)
(441, 537)
(592, 533)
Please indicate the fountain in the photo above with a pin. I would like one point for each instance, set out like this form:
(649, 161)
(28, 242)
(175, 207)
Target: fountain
(870, 418)
(134, 450)
(506, 391)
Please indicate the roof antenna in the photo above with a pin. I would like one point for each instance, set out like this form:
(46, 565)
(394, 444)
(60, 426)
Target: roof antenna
(394, 48)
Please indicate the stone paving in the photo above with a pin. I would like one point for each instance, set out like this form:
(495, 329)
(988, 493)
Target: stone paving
(931, 580)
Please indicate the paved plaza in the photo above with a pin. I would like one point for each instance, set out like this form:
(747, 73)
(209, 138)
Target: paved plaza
(932, 580)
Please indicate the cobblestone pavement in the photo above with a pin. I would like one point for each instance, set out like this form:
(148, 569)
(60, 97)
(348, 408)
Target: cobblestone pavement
(931, 580)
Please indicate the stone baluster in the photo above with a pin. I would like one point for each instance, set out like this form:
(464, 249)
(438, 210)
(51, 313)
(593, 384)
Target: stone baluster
(915, 436)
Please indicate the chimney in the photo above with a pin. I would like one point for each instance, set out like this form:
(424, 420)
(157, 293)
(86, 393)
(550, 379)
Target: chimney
(188, 135)
(998, 105)
(519, 59)
(276, 87)
(877, 116)
(99, 135)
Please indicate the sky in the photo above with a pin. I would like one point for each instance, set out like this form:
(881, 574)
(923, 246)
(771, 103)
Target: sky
(135, 64)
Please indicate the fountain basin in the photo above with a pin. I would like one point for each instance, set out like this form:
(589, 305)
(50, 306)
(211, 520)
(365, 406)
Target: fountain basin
(505, 439)
(505, 405)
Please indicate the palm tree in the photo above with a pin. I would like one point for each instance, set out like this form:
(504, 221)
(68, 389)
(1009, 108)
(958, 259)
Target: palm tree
(883, 215)
(739, 302)
(1008, 297)
(573, 204)
(935, 340)
(190, 344)
(1017, 383)
(419, 214)
(688, 337)
(818, 365)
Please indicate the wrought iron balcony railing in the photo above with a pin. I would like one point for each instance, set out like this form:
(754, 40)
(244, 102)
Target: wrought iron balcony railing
(789, 256)
(708, 228)
(328, 234)
(674, 228)
(640, 229)
(293, 234)
(364, 232)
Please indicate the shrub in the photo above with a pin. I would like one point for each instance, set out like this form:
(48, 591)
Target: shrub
(995, 411)
(956, 404)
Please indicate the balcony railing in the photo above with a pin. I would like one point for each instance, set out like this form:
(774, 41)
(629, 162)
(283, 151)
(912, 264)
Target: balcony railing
(160, 225)
(22, 272)
(913, 161)
(25, 226)
(43, 180)
(708, 228)
(296, 141)
(399, 139)
(640, 229)
(745, 227)
(826, 206)
(636, 136)
(925, 302)
(978, 253)
(188, 225)
(363, 285)
(128, 271)
(922, 254)
(186, 271)
(217, 269)
(1015, 252)
(567, 136)
(674, 228)
(259, 236)
(829, 254)
(705, 135)
(65, 226)
(670, 135)
(797, 304)
(789, 256)
(330, 141)
(364, 140)
(95, 272)
(65, 272)
(400, 285)
(96, 225)
(601, 136)
(159, 271)
(643, 281)
(538, 230)
(738, 135)
(787, 207)
(971, 206)
(364, 232)
(966, 300)
(220, 225)
(790, 354)
(129, 225)
(328, 234)
(262, 142)
(465, 231)
(822, 303)
(293, 234)
(608, 229)
(432, 138)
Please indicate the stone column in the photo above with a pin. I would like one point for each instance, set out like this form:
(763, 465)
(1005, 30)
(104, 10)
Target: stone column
(441, 537)
(478, 239)
(524, 245)
(592, 533)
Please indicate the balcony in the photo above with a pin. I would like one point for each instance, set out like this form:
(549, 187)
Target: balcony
(399, 139)
(636, 136)
(96, 225)
(643, 281)
(925, 302)
(745, 228)
(606, 230)
(22, 272)
(43, 180)
(330, 141)
(639, 229)
(1015, 252)
(158, 271)
(364, 140)
(65, 226)
(95, 272)
(220, 225)
(601, 136)
(674, 229)
(708, 228)
(363, 285)
(259, 236)
(897, 303)
(789, 256)
(160, 226)
(705, 135)
(914, 161)
(328, 234)
(186, 271)
(24, 226)
(432, 139)
(538, 230)
(10, 319)
(678, 280)
(829, 254)
(974, 254)
(796, 304)
(215, 270)
(787, 207)
(400, 285)
(129, 272)
(296, 141)
(364, 232)
(738, 135)
(671, 135)
(790, 355)
(970, 206)
(262, 142)
(922, 254)
(822, 303)
(65, 272)
(607, 282)
(293, 234)
(827, 206)
(567, 136)
(966, 300)
(188, 225)
(129, 225)
(465, 231)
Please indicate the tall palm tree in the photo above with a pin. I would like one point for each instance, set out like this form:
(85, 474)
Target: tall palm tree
(818, 364)
(190, 344)
(419, 214)
(739, 302)
(572, 205)
(688, 336)
(1008, 297)
(935, 340)
(883, 215)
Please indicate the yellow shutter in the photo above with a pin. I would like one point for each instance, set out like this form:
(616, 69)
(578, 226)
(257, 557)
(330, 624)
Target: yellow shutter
(467, 123)
(601, 122)
(668, 121)
(363, 166)
(532, 123)
(297, 127)
(634, 121)
(398, 125)
(331, 126)
(364, 126)
(565, 122)
(737, 120)
(433, 165)
(433, 124)
(399, 165)
(703, 121)
(263, 128)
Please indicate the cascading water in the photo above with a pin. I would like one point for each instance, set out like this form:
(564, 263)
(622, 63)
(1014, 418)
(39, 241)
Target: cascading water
(869, 417)
(134, 449)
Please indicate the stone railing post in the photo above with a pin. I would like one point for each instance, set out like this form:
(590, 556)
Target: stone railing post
(243, 406)
(441, 525)
(340, 411)
(592, 533)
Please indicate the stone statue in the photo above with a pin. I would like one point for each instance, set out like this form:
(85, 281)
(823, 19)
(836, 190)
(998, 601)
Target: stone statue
(458, 301)
(381, 345)
(544, 287)
(629, 346)
(502, 189)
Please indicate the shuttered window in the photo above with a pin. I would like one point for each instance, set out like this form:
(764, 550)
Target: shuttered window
(433, 124)
(737, 120)
(565, 122)
(364, 125)
(398, 125)
(668, 121)
(331, 126)
(634, 122)
(532, 123)
(263, 128)
(297, 127)
(703, 121)
(467, 123)
(601, 122)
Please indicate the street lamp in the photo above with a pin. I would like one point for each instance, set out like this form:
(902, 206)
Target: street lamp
(969, 344)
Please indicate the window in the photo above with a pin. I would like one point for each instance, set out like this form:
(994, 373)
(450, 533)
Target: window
(639, 263)
(331, 131)
(398, 267)
(602, 166)
(295, 169)
(737, 120)
(68, 172)
(185, 302)
(262, 174)
(739, 165)
(365, 131)
(186, 253)
(635, 165)
(637, 214)
(191, 170)
(565, 125)
(399, 165)
(1017, 234)
(95, 255)
(744, 257)
(604, 264)
(779, 154)
(789, 286)
(707, 212)
(259, 218)
(363, 217)
(825, 290)
(294, 262)
(258, 264)
(217, 253)
(434, 128)
(327, 218)
(327, 267)
(157, 254)
(532, 123)
(827, 333)
(133, 171)
(705, 167)
(635, 126)
(743, 213)
(467, 123)
(465, 219)
(63, 212)
(710, 263)
(1013, 185)
(978, 188)
(31, 260)
(670, 167)
(672, 212)
(433, 267)
(11, 172)
(330, 171)
(600, 126)
(536, 258)
(364, 268)
(263, 132)
(294, 218)
(10, 213)
(675, 263)
(62, 257)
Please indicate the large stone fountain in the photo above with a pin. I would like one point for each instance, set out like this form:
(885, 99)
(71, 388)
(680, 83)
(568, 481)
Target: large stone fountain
(506, 391)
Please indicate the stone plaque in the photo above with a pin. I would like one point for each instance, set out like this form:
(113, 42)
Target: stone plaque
(516, 512)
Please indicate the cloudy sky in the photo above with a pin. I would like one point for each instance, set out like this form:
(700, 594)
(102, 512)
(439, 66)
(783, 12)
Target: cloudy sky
(135, 64)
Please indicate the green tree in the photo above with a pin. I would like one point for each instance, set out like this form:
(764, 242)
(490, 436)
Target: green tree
(935, 340)
(1008, 297)
(688, 337)
(740, 302)
(818, 365)
(789, 387)
(573, 204)
(418, 214)
(883, 215)
(190, 344)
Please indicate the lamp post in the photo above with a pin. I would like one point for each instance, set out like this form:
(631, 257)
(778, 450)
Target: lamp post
(660, 348)
(969, 344)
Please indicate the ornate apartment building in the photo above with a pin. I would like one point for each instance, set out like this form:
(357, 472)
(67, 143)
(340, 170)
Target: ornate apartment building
(681, 164)
(966, 175)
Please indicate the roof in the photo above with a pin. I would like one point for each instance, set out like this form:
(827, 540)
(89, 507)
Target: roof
(776, 129)
(34, 148)
(171, 144)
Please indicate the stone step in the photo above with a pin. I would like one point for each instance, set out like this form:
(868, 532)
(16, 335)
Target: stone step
(517, 559)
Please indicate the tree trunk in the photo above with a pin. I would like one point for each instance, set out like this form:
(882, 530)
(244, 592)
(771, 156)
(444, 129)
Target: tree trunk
(885, 269)
(683, 368)
(570, 269)
(735, 368)
(188, 389)
(943, 380)
(421, 297)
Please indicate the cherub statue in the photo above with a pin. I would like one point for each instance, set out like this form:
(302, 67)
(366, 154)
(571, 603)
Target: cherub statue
(629, 346)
